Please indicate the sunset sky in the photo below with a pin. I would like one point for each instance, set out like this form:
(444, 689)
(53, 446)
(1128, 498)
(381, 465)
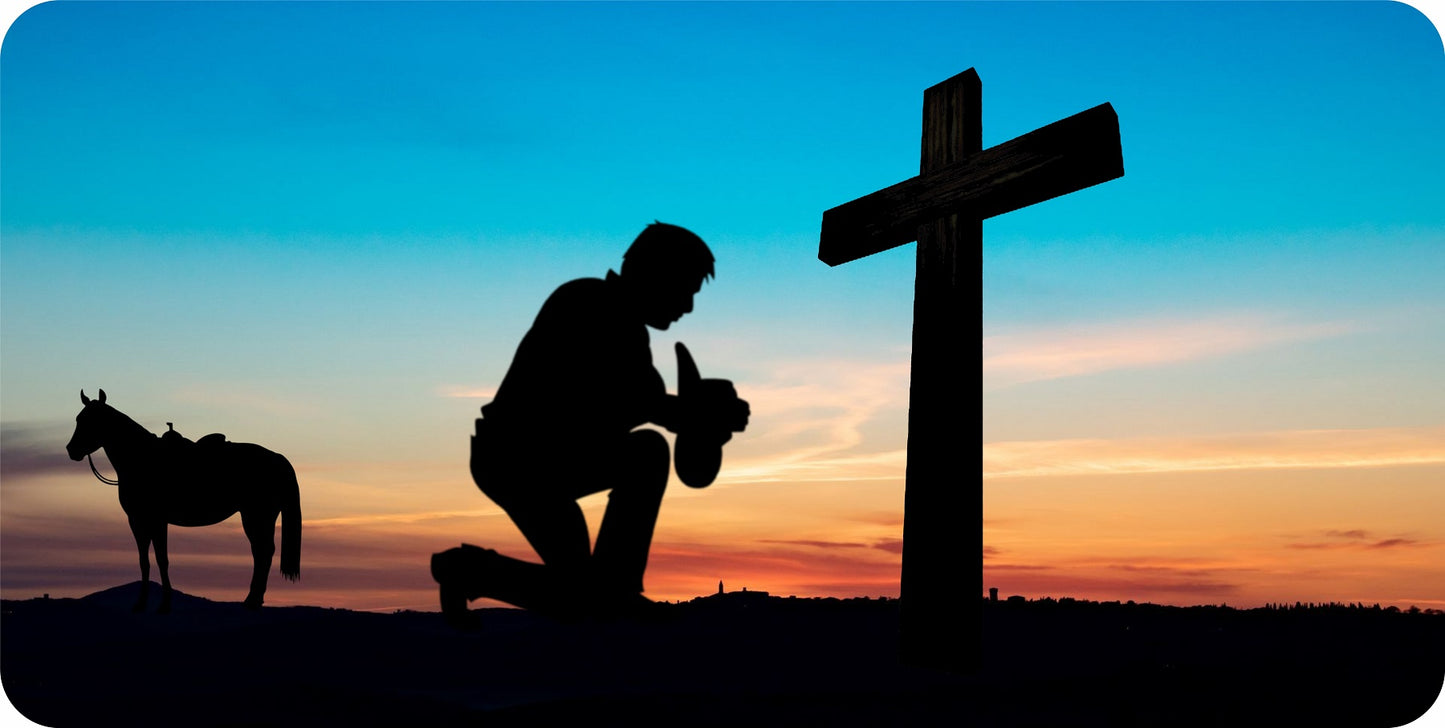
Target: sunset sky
(324, 228)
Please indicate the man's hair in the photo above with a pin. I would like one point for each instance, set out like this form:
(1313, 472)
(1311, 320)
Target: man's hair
(668, 250)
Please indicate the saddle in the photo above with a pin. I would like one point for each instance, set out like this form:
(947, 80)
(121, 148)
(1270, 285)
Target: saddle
(175, 443)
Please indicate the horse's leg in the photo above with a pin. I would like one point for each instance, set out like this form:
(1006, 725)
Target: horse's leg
(143, 545)
(260, 528)
(163, 561)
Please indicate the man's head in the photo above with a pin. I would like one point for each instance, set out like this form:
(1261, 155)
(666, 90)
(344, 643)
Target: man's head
(663, 268)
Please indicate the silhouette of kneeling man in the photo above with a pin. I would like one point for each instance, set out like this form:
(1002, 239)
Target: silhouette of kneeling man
(564, 424)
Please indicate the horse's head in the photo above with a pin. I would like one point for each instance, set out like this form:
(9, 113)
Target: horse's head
(89, 426)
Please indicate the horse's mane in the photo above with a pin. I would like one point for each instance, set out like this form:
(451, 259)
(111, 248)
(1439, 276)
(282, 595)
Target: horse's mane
(124, 423)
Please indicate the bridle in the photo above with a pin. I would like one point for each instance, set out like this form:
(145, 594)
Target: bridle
(100, 477)
(88, 456)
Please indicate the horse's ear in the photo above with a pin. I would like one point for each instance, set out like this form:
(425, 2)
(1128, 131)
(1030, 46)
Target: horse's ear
(84, 399)
(102, 397)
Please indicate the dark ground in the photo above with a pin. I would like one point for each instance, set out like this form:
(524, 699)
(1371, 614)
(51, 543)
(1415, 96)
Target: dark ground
(91, 662)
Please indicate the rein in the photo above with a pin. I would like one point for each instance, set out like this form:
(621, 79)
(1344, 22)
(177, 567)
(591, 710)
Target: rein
(98, 476)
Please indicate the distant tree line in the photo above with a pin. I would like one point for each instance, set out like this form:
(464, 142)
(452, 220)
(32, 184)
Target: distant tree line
(1046, 602)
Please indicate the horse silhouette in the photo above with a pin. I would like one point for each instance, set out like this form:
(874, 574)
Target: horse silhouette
(171, 480)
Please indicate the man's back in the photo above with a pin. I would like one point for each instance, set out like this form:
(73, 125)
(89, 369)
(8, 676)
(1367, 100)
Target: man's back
(583, 369)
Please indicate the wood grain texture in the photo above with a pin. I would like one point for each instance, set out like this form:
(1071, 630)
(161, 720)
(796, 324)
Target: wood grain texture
(1065, 156)
(942, 510)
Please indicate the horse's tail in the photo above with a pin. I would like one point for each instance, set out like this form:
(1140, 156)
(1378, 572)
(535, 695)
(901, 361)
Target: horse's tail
(291, 528)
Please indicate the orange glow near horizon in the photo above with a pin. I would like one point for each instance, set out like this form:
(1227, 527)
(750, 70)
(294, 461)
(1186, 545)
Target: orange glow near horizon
(809, 503)
(1244, 520)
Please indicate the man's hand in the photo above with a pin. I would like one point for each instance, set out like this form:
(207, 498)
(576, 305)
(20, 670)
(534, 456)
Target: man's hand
(713, 406)
(709, 412)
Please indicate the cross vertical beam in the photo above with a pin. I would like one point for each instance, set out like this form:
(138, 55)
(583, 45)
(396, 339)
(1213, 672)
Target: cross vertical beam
(943, 513)
(958, 186)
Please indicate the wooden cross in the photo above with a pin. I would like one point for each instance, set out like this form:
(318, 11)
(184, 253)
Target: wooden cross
(943, 208)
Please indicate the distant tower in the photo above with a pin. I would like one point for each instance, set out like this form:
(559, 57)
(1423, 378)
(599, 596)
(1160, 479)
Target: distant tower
(719, 586)
(993, 593)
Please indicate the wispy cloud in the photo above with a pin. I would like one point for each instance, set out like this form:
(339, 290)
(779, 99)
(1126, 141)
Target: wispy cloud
(891, 545)
(461, 392)
(1117, 580)
(798, 468)
(374, 519)
(817, 544)
(34, 449)
(1394, 542)
(1071, 351)
(1358, 539)
(808, 417)
(1265, 450)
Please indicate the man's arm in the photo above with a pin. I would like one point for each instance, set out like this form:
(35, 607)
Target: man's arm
(668, 413)
(720, 411)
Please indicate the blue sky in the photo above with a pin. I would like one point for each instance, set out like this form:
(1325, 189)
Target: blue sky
(324, 226)
(421, 143)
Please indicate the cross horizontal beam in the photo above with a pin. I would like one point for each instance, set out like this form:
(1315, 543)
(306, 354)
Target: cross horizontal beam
(1065, 156)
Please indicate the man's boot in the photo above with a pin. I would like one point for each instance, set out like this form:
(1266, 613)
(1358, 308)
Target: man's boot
(460, 574)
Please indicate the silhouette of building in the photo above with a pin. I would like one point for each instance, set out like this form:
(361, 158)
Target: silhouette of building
(993, 593)
(736, 598)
